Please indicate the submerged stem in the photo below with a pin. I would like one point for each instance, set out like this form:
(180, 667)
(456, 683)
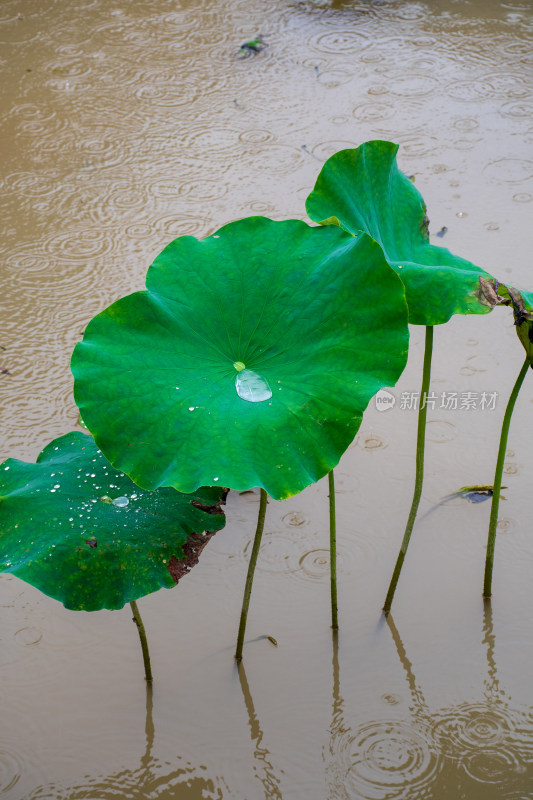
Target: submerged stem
(250, 576)
(333, 551)
(144, 641)
(419, 472)
(489, 561)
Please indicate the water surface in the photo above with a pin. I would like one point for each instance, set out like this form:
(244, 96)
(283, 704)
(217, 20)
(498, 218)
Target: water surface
(124, 125)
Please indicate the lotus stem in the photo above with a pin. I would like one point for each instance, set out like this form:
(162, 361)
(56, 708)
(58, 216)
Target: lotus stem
(250, 576)
(419, 471)
(493, 522)
(144, 641)
(333, 552)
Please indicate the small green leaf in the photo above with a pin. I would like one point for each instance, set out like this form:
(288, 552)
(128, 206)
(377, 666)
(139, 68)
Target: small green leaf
(247, 362)
(363, 190)
(85, 534)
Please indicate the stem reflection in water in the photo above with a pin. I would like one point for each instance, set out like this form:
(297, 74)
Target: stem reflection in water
(481, 748)
(264, 770)
(152, 779)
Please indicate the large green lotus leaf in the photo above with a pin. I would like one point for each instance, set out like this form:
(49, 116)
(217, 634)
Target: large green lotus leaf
(363, 190)
(83, 533)
(248, 361)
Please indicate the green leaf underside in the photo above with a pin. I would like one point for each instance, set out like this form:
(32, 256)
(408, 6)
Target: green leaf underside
(363, 190)
(314, 312)
(61, 532)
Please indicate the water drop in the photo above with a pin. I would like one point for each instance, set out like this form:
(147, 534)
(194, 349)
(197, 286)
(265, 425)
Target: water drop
(121, 502)
(252, 387)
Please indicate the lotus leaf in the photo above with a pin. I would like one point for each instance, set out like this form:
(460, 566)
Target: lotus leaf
(83, 533)
(363, 190)
(249, 359)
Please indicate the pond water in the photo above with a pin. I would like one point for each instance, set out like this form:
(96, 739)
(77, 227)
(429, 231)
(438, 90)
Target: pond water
(126, 124)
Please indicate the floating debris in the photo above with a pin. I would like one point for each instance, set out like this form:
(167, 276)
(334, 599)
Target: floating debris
(251, 47)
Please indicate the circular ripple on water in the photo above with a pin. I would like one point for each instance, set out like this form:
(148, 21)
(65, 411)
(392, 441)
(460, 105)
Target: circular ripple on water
(507, 85)
(280, 552)
(28, 636)
(11, 766)
(211, 141)
(295, 519)
(301, 554)
(26, 262)
(66, 69)
(373, 112)
(389, 759)
(440, 432)
(466, 124)
(31, 184)
(372, 442)
(413, 85)
(470, 91)
(417, 145)
(176, 92)
(31, 111)
(282, 159)
(411, 12)
(340, 41)
(80, 244)
(198, 190)
(331, 78)
(498, 766)
(104, 202)
(468, 727)
(315, 564)
(154, 780)
(517, 108)
(324, 150)
(256, 136)
(184, 225)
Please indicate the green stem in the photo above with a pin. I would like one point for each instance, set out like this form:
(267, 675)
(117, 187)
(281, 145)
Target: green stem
(144, 642)
(419, 472)
(489, 561)
(333, 551)
(250, 576)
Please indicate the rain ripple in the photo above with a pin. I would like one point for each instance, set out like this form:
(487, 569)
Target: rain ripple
(382, 760)
(490, 741)
(152, 780)
(340, 41)
(302, 555)
(11, 767)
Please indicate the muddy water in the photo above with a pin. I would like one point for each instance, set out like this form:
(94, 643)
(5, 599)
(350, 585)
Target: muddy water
(126, 124)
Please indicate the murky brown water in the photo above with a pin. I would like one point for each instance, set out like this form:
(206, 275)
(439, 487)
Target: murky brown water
(126, 124)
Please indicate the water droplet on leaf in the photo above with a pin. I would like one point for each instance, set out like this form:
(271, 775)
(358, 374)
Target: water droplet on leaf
(121, 502)
(252, 387)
